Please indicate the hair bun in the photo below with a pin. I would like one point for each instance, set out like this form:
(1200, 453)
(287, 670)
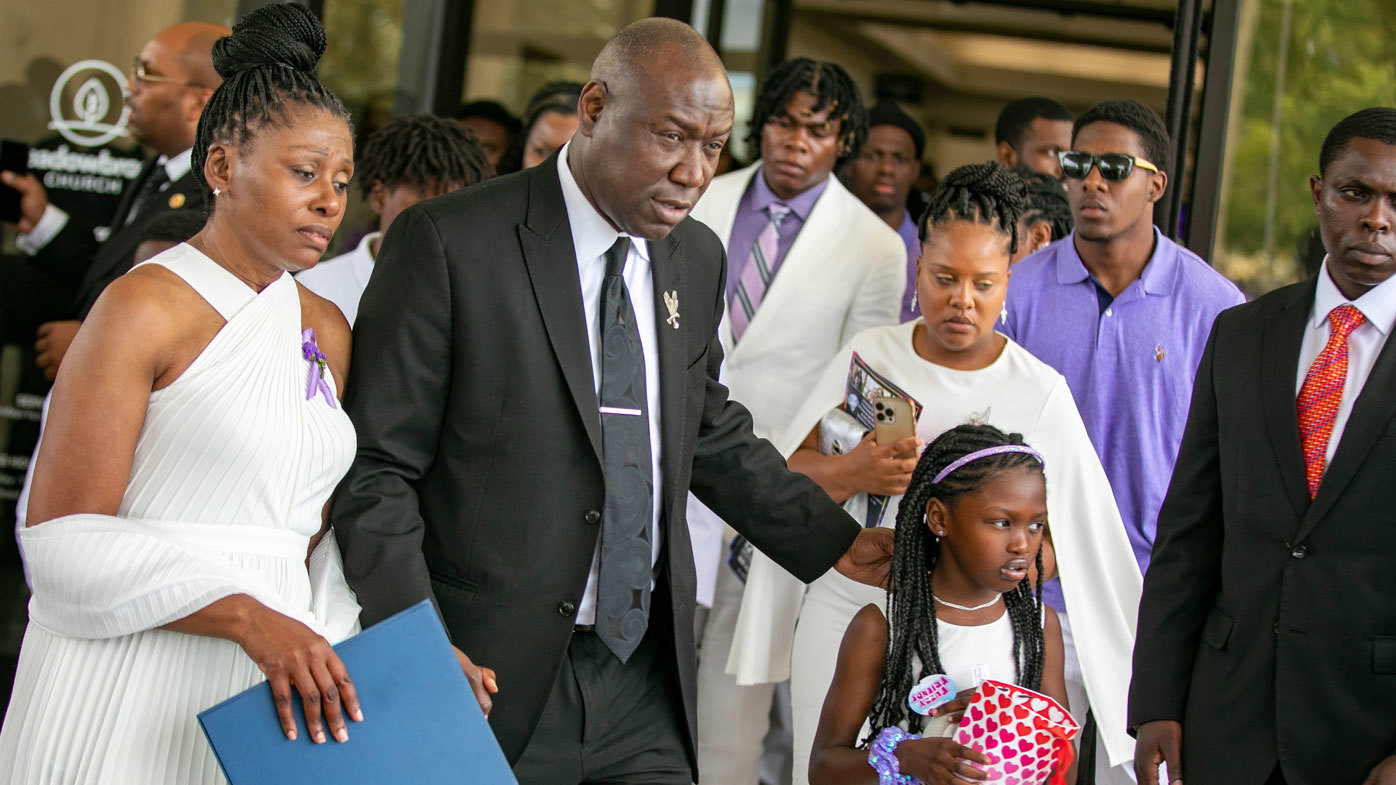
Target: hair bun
(279, 34)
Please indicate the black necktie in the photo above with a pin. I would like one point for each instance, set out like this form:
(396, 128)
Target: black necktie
(152, 184)
(623, 579)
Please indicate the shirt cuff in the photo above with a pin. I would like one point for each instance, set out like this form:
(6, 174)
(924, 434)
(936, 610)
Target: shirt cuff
(50, 224)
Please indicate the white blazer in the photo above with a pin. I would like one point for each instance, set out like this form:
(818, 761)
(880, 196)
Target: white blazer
(845, 272)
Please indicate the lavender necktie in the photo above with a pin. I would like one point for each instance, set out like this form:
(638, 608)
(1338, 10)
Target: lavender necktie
(760, 268)
(623, 578)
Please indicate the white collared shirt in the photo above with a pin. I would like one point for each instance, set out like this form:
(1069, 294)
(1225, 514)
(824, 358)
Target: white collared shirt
(342, 279)
(1378, 305)
(55, 218)
(592, 236)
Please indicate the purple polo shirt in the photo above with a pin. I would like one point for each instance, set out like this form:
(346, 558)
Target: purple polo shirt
(912, 238)
(1130, 366)
(752, 218)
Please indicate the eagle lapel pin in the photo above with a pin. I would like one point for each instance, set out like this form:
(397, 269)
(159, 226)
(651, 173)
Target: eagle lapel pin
(671, 301)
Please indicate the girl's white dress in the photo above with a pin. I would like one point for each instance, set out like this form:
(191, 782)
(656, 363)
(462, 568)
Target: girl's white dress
(232, 468)
(1015, 393)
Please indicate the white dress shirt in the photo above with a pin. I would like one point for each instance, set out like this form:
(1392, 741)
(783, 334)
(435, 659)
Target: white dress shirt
(592, 236)
(55, 218)
(1378, 305)
(342, 279)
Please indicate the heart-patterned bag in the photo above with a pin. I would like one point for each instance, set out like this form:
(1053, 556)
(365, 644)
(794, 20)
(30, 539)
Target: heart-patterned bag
(1028, 734)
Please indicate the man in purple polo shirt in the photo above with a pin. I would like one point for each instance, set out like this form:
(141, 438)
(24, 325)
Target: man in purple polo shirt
(882, 176)
(808, 267)
(1123, 313)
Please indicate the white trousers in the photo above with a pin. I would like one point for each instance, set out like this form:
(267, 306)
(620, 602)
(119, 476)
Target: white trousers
(733, 720)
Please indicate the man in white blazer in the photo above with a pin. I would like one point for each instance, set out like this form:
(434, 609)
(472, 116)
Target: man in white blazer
(808, 267)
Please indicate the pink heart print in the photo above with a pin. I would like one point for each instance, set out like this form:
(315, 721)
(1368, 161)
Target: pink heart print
(1025, 729)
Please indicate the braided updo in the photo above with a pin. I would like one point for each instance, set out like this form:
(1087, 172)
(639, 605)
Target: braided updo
(913, 636)
(980, 193)
(268, 69)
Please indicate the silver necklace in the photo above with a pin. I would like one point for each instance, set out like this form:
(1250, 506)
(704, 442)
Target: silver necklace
(949, 604)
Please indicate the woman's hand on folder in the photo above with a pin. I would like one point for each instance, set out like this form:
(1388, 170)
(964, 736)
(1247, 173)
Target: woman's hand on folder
(481, 680)
(293, 656)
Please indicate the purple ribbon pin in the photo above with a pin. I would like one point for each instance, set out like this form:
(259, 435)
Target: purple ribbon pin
(312, 353)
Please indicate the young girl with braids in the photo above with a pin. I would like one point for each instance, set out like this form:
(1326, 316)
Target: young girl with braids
(955, 368)
(963, 600)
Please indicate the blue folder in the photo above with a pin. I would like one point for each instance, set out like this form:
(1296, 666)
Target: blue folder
(421, 724)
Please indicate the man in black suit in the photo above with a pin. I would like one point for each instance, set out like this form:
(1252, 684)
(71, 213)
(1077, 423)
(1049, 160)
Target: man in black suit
(535, 391)
(170, 82)
(1266, 650)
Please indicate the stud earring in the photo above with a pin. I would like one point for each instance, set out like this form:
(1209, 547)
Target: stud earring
(217, 192)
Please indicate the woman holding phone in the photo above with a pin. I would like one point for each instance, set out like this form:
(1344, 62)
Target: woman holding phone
(952, 367)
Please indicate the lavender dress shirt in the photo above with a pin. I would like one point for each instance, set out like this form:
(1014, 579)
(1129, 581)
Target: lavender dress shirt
(912, 237)
(1130, 366)
(752, 217)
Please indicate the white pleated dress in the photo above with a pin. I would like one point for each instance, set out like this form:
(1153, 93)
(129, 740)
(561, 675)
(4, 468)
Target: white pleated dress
(231, 471)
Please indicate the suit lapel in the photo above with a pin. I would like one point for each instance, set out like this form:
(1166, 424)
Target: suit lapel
(1371, 412)
(546, 238)
(667, 265)
(811, 255)
(1284, 333)
(128, 196)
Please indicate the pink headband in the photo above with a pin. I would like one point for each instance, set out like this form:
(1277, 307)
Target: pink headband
(985, 453)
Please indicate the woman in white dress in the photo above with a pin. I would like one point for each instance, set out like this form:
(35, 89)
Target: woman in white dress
(954, 368)
(194, 439)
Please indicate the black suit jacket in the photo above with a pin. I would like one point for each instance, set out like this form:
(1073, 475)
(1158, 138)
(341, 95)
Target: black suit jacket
(85, 264)
(1268, 622)
(479, 464)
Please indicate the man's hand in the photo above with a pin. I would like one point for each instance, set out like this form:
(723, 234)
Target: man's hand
(869, 559)
(33, 199)
(1383, 774)
(481, 681)
(1158, 742)
(54, 338)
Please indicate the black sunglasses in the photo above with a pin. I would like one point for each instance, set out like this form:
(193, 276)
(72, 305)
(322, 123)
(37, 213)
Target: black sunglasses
(1076, 165)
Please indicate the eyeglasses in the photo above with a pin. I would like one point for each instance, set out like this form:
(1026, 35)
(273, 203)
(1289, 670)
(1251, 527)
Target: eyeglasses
(1076, 165)
(139, 73)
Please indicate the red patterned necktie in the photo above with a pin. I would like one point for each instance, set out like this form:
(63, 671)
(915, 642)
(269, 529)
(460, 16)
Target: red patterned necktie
(1323, 391)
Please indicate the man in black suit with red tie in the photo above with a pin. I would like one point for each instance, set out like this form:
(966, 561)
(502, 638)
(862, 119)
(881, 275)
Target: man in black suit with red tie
(1266, 650)
(535, 390)
(171, 80)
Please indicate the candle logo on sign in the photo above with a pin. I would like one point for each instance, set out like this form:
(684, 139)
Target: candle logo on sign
(932, 691)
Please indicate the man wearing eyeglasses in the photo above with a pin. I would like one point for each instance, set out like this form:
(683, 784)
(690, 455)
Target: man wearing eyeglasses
(171, 80)
(1123, 313)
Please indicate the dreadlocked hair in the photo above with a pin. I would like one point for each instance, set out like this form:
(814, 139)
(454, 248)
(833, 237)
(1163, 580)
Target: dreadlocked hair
(912, 635)
(831, 87)
(1046, 201)
(268, 69)
(421, 149)
(981, 193)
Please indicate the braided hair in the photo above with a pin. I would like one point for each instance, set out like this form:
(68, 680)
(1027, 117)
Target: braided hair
(981, 193)
(1046, 201)
(268, 69)
(421, 149)
(831, 87)
(913, 635)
